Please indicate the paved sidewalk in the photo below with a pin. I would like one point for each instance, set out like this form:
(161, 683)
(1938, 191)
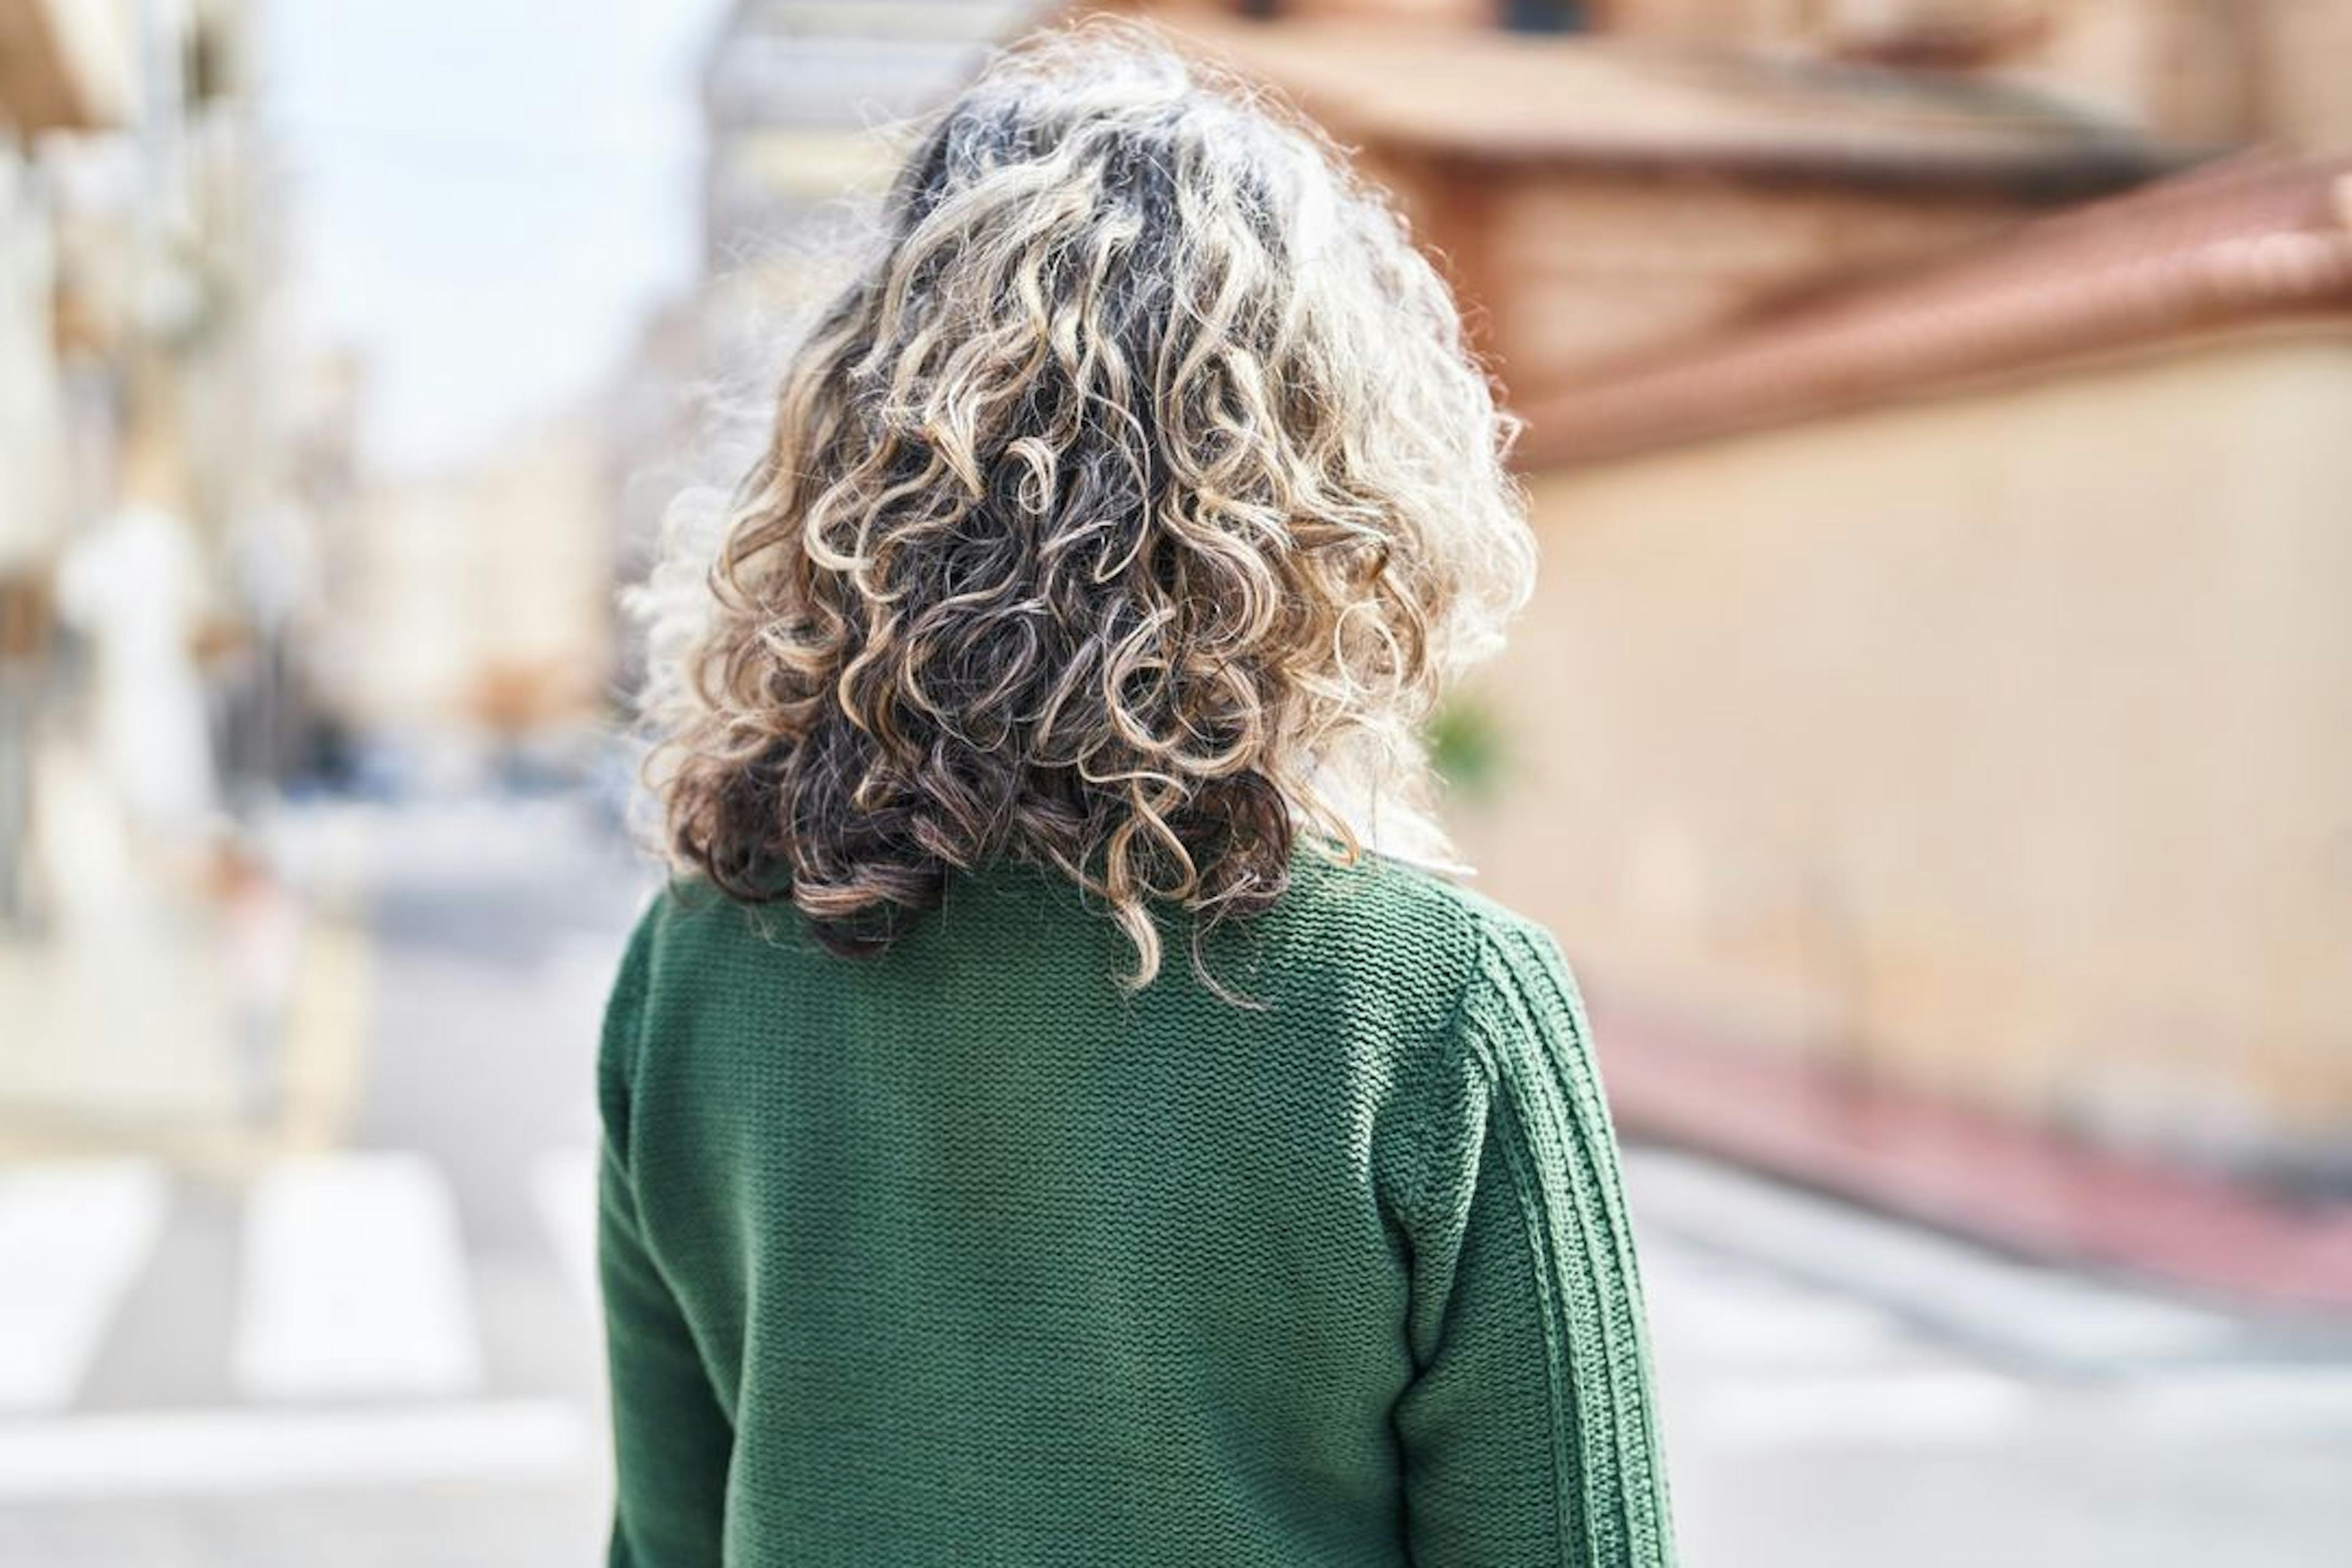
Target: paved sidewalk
(209, 1012)
(2026, 1191)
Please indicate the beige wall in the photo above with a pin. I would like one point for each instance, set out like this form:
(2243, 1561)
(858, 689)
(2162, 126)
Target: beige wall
(2306, 54)
(2214, 71)
(480, 597)
(1999, 745)
(2185, 68)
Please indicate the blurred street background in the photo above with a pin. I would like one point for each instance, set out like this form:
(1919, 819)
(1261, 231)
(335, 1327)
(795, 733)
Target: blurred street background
(1931, 740)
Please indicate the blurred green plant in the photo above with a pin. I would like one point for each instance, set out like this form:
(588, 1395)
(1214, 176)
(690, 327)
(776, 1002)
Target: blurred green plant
(1468, 748)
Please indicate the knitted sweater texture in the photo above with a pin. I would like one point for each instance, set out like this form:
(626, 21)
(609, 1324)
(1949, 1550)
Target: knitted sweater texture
(961, 1255)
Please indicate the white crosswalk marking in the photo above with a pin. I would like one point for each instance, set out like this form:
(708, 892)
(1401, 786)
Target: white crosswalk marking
(1957, 1406)
(354, 1282)
(563, 1186)
(1724, 1313)
(182, 1453)
(2044, 1314)
(2203, 1403)
(72, 1238)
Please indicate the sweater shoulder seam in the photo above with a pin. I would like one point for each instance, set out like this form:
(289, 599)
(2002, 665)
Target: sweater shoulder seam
(1437, 1056)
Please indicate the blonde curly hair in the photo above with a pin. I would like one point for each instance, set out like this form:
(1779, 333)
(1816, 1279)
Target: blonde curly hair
(1125, 517)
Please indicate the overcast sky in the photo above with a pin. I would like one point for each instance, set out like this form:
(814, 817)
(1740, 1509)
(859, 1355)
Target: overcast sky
(487, 196)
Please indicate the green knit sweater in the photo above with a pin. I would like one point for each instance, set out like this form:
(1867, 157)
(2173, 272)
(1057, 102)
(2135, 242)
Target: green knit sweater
(962, 1256)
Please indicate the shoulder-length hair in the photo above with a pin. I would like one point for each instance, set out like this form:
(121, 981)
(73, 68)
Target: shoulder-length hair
(1124, 517)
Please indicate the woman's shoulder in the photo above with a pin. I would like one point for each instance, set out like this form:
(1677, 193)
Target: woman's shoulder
(1402, 906)
(1403, 939)
(688, 925)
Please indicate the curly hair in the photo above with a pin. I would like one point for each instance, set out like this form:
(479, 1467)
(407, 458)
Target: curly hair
(1124, 517)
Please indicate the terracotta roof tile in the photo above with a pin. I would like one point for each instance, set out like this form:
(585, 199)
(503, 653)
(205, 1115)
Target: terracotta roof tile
(2250, 240)
(1491, 96)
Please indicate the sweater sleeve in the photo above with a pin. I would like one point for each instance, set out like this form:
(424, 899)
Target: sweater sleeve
(672, 1442)
(1528, 1431)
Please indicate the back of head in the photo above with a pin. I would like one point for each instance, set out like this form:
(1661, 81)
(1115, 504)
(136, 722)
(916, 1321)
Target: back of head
(1125, 516)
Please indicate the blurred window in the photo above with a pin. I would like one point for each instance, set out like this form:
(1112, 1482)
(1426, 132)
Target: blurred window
(1548, 16)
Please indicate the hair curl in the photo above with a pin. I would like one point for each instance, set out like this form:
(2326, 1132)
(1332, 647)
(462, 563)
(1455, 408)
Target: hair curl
(1125, 517)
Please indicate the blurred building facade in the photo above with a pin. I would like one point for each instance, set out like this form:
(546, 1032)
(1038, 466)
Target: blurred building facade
(143, 377)
(794, 92)
(167, 449)
(801, 101)
(57, 75)
(2200, 71)
(473, 604)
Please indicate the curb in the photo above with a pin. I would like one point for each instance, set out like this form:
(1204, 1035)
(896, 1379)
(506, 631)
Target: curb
(2020, 1189)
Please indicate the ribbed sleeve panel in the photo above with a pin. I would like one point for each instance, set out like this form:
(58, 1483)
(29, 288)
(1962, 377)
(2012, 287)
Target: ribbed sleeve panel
(1529, 1429)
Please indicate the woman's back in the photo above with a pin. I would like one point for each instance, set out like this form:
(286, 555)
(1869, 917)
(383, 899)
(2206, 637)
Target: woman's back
(1099, 1160)
(962, 1254)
